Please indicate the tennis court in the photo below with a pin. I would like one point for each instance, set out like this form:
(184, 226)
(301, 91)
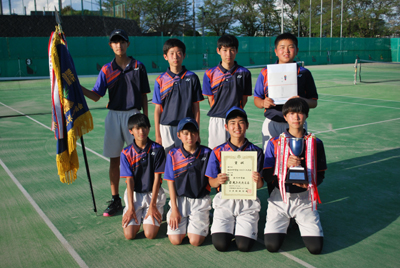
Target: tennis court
(44, 223)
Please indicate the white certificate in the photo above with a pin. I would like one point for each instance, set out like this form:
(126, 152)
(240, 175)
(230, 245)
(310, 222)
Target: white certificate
(239, 166)
(282, 82)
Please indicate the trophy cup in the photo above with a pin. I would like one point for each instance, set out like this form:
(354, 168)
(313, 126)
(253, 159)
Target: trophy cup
(296, 174)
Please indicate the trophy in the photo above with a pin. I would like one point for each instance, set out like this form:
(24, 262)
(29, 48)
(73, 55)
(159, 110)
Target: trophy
(296, 174)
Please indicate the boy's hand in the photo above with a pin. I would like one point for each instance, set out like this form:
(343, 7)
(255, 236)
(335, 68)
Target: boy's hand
(294, 161)
(129, 215)
(175, 219)
(302, 185)
(268, 103)
(154, 214)
(222, 178)
(256, 176)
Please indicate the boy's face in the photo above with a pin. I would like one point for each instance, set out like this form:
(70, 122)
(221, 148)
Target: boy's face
(188, 138)
(237, 127)
(175, 57)
(295, 120)
(119, 46)
(286, 51)
(228, 54)
(140, 133)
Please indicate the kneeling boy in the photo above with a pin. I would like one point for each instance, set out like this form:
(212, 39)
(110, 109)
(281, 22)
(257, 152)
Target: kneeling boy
(188, 186)
(142, 164)
(234, 217)
(294, 200)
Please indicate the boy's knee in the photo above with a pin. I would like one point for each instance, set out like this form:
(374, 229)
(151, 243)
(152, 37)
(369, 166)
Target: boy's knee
(130, 236)
(314, 244)
(273, 242)
(221, 241)
(196, 241)
(175, 239)
(150, 235)
(244, 244)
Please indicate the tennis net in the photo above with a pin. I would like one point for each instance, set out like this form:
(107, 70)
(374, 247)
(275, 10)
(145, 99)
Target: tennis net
(376, 71)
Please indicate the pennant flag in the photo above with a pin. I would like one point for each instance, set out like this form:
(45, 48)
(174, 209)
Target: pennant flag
(71, 117)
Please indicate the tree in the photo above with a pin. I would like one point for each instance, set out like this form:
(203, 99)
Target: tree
(247, 13)
(269, 18)
(219, 16)
(166, 16)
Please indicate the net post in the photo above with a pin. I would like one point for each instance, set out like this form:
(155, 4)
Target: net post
(355, 72)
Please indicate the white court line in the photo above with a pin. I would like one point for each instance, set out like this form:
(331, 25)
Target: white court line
(57, 233)
(363, 125)
(344, 96)
(370, 105)
(252, 119)
(258, 240)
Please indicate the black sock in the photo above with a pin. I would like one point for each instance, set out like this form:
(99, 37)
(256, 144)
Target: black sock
(115, 197)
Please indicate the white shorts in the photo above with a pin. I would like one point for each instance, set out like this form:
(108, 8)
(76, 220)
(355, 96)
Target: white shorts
(272, 129)
(217, 134)
(195, 214)
(298, 206)
(169, 137)
(141, 201)
(117, 132)
(234, 216)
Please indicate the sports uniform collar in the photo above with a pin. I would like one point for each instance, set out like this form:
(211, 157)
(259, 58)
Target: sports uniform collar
(131, 64)
(242, 148)
(225, 70)
(287, 134)
(139, 150)
(181, 73)
(186, 154)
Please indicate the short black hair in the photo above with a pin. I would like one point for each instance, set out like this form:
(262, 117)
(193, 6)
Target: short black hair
(228, 40)
(173, 42)
(138, 120)
(286, 36)
(295, 105)
(236, 114)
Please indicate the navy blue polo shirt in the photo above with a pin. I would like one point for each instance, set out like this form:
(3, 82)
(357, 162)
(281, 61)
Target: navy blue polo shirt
(125, 87)
(176, 94)
(188, 171)
(228, 88)
(214, 163)
(270, 158)
(305, 88)
(141, 164)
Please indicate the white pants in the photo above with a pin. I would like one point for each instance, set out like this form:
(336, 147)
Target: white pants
(217, 134)
(169, 137)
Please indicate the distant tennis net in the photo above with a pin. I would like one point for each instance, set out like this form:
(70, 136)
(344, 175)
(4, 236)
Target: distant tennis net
(376, 71)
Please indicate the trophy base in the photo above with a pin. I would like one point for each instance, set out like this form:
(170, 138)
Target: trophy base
(296, 175)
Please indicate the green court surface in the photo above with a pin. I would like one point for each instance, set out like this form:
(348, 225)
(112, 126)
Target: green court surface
(44, 223)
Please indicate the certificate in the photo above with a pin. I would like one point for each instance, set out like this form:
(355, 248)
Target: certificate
(239, 166)
(282, 82)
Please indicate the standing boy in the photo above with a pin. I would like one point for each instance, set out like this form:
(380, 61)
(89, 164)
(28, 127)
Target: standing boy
(142, 164)
(234, 217)
(127, 84)
(286, 49)
(294, 200)
(188, 186)
(177, 94)
(226, 85)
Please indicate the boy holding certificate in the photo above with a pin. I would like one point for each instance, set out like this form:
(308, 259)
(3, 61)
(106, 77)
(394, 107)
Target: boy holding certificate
(234, 217)
(286, 49)
(294, 200)
(188, 186)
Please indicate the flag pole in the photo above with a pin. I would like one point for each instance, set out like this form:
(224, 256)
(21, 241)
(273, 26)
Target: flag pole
(88, 174)
(58, 20)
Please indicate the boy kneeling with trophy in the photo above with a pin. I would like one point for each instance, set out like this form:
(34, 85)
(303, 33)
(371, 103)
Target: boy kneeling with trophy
(294, 166)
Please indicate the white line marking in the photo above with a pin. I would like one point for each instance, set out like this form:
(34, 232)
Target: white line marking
(259, 240)
(363, 125)
(344, 96)
(353, 103)
(293, 258)
(57, 233)
(247, 116)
